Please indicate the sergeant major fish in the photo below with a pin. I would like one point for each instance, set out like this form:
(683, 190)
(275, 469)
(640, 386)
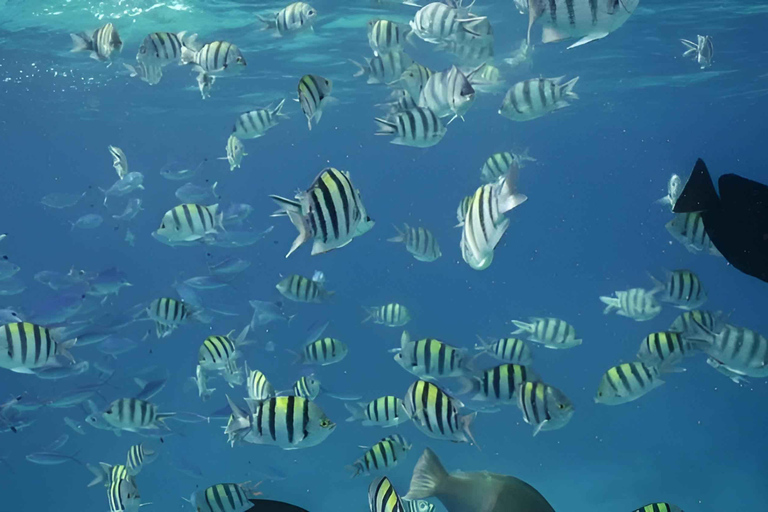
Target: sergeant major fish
(429, 358)
(391, 315)
(508, 350)
(102, 43)
(162, 48)
(25, 347)
(255, 123)
(636, 303)
(235, 152)
(682, 288)
(449, 92)
(417, 127)
(627, 382)
(385, 411)
(292, 19)
(132, 414)
(436, 414)
(217, 58)
(190, 222)
(314, 96)
(384, 68)
(382, 456)
(300, 289)
(536, 97)
(420, 242)
(544, 407)
(550, 332)
(386, 36)
(689, 230)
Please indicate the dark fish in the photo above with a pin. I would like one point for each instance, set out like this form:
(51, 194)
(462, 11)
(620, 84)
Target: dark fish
(736, 222)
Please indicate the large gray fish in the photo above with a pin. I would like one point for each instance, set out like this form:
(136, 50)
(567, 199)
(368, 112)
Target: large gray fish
(475, 492)
(587, 19)
(101, 43)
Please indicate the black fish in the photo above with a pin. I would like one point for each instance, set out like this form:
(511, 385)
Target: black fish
(736, 222)
(273, 506)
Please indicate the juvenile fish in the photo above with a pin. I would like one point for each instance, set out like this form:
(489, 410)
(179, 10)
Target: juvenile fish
(382, 456)
(217, 58)
(391, 315)
(235, 152)
(681, 288)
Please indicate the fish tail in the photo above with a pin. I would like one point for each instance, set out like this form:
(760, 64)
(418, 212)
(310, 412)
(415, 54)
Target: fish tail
(362, 69)
(611, 304)
(522, 327)
(187, 55)
(81, 42)
(278, 111)
(566, 90)
(385, 127)
(400, 236)
(99, 474)
(357, 411)
(428, 478)
(370, 311)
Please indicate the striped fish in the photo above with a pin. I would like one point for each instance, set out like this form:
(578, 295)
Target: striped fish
(386, 36)
(636, 303)
(201, 380)
(108, 473)
(439, 22)
(498, 165)
(627, 382)
(688, 229)
(449, 93)
(402, 101)
(702, 50)
(499, 384)
(190, 222)
(119, 162)
(102, 43)
(685, 322)
(168, 314)
(138, 456)
(488, 79)
(382, 496)
(463, 208)
(417, 506)
(217, 58)
(414, 78)
(385, 411)
(420, 242)
(301, 289)
(485, 223)
(741, 350)
(331, 212)
(587, 19)
(429, 358)
(436, 414)
(471, 52)
(123, 496)
(292, 19)
(508, 350)
(235, 152)
(544, 407)
(735, 376)
(391, 315)
(659, 507)
(537, 97)
(148, 73)
(255, 123)
(132, 414)
(307, 387)
(314, 96)
(384, 68)
(290, 422)
(681, 288)
(665, 349)
(25, 347)
(551, 332)
(217, 352)
(163, 48)
(259, 388)
(382, 456)
(418, 127)
(324, 351)
(223, 498)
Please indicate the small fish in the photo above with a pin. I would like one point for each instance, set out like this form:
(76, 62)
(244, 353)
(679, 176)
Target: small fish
(255, 123)
(292, 19)
(228, 266)
(702, 50)
(674, 189)
(681, 288)
(190, 222)
(735, 376)
(440, 22)
(139, 455)
(132, 414)
(168, 314)
(300, 289)
(217, 352)
(383, 456)
(436, 414)
(384, 68)
(666, 349)
(449, 92)
(307, 387)
(150, 388)
(102, 43)
(114, 346)
(120, 161)
(689, 230)
(382, 496)
(417, 506)
(191, 193)
(550, 332)
(543, 406)
(418, 127)
(499, 384)
(9, 316)
(74, 425)
(217, 58)
(146, 72)
(186, 173)
(385, 36)
(60, 200)
(324, 351)
(201, 380)
(50, 458)
(88, 221)
(391, 315)
(420, 242)
(266, 312)
(508, 350)
(498, 165)
(627, 382)
(636, 303)
(236, 213)
(314, 96)
(7, 269)
(235, 152)
(531, 99)
(62, 372)
(127, 184)
(385, 411)
(429, 358)
(131, 210)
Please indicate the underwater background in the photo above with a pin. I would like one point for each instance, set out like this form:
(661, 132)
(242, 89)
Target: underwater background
(589, 228)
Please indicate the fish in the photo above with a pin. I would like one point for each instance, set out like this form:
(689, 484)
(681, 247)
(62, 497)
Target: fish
(498, 385)
(702, 50)
(289, 422)
(439, 22)
(108, 473)
(385, 36)
(508, 350)
(474, 50)
(7, 268)
(689, 230)
(225, 497)
(735, 376)
(420, 242)
(206, 282)
(123, 496)
(589, 20)
(217, 352)
(150, 388)
(50, 458)
(217, 58)
(627, 382)
(391, 315)
(108, 282)
(544, 407)
(148, 73)
(385, 411)
(205, 84)
(382, 496)
(120, 161)
(74, 425)
(383, 456)
(314, 95)
(56, 310)
(741, 350)
(115, 346)
(488, 79)
(57, 444)
(301, 289)
(228, 266)
(681, 288)
(666, 349)
(523, 54)
(235, 152)
(201, 381)
(101, 43)
(9, 316)
(384, 68)
(414, 78)
(159, 49)
(126, 185)
(685, 322)
(498, 165)
(436, 414)
(485, 223)
(259, 388)
(191, 193)
(418, 127)
(550, 332)
(61, 200)
(236, 213)
(132, 208)
(536, 97)
(186, 173)
(674, 189)
(463, 208)
(139, 455)
(638, 304)
(307, 387)
(255, 123)
(168, 314)
(449, 92)
(735, 220)
(62, 372)
(25, 347)
(88, 221)
(265, 312)
(417, 505)
(659, 507)
(132, 414)
(478, 492)
(290, 20)
(190, 223)
(330, 212)
(429, 358)
(324, 351)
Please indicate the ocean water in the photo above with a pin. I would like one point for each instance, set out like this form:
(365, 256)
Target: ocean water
(590, 227)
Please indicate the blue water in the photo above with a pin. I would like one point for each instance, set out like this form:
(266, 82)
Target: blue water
(590, 227)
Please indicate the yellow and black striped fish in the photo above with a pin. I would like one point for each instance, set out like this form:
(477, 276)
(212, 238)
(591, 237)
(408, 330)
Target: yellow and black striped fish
(161, 48)
(102, 43)
(216, 58)
(684, 322)
(292, 19)
(190, 222)
(138, 456)
(627, 382)
(314, 94)
(132, 414)
(391, 315)
(665, 349)
(259, 387)
(436, 414)
(544, 407)
(681, 288)
(386, 36)
(223, 497)
(108, 473)
(301, 289)
(659, 507)
(324, 351)
(430, 358)
(25, 347)
(496, 166)
(461, 211)
(418, 127)
(168, 314)
(217, 352)
(384, 455)
(307, 387)
(550, 332)
(123, 496)
(500, 383)
(420, 242)
(508, 350)
(255, 123)
(382, 496)
(385, 411)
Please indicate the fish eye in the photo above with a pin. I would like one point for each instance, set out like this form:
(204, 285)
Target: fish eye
(325, 423)
(561, 406)
(599, 393)
(311, 12)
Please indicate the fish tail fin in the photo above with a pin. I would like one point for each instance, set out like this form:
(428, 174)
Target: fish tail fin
(162, 416)
(356, 469)
(357, 411)
(278, 110)
(81, 42)
(131, 70)
(400, 235)
(522, 327)
(429, 476)
(100, 475)
(657, 285)
(269, 23)
(187, 55)
(510, 198)
(385, 127)
(610, 304)
(241, 420)
(566, 90)
(65, 347)
(465, 422)
(370, 311)
(361, 69)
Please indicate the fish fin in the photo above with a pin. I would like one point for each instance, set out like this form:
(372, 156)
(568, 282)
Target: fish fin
(699, 193)
(64, 348)
(429, 476)
(539, 427)
(304, 234)
(357, 411)
(81, 42)
(370, 311)
(522, 327)
(99, 474)
(464, 423)
(588, 39)
(405, 339)
(467, 385)
(566, 90)
(689, 52)
(610, 303)
(187, 56)
(385, 127)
